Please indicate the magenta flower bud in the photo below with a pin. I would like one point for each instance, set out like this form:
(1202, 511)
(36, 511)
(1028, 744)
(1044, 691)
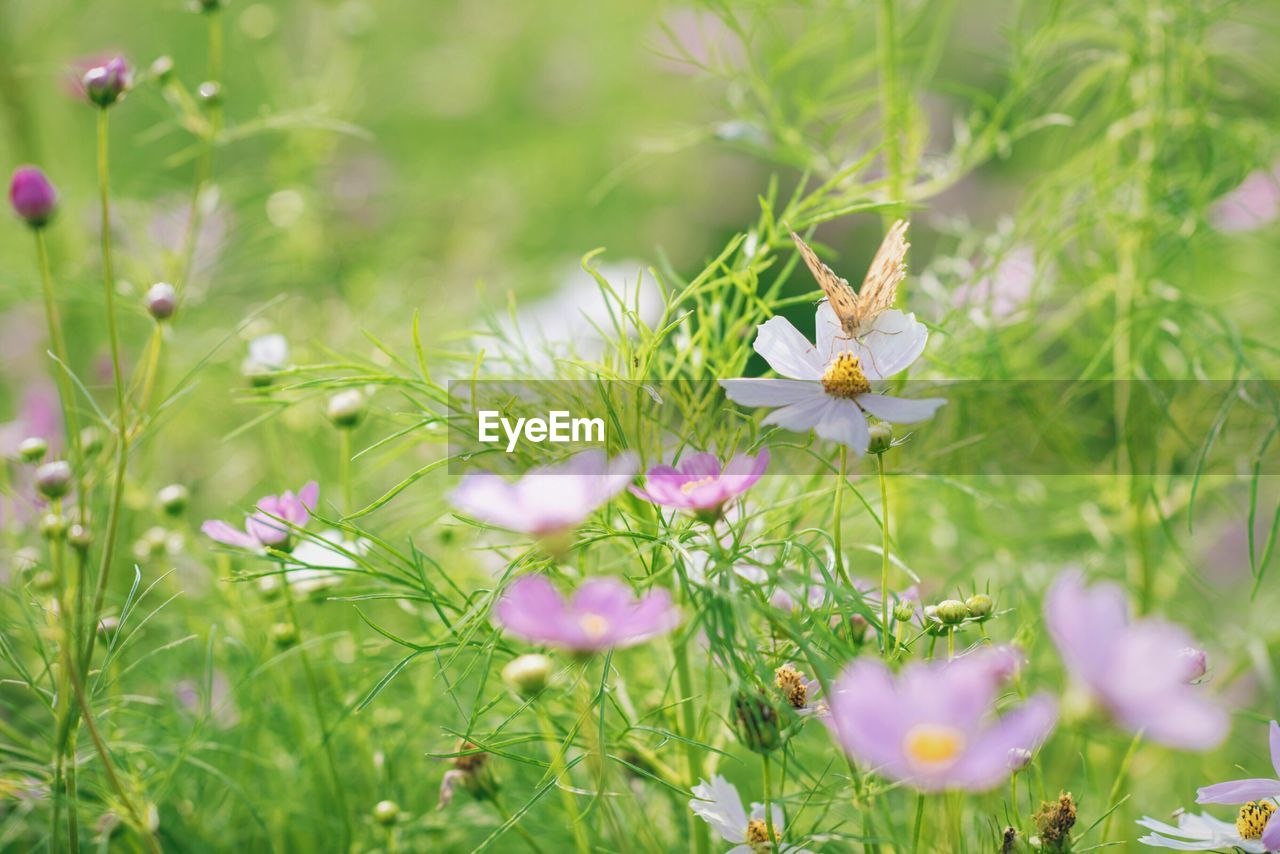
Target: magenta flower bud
(32, 196)
(104, 84)
(1196, 661)
(161, 301)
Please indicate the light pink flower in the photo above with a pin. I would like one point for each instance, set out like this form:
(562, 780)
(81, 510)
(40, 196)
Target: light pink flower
(602, 614)
(1253, 204)
(264, 527)
(548, 500)
(700, 483)
(932, 726)
(1137, 669)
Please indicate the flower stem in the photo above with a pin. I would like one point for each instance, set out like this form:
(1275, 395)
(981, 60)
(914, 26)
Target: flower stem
(837, 501)
(885, 634)
(122, 426)
(886, 44)
(689, 726)
(919, 822)
(344, 469)
(768, 801)
(555, 752)
(1113, 799)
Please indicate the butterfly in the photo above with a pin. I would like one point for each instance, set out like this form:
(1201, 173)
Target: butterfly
(856, 311)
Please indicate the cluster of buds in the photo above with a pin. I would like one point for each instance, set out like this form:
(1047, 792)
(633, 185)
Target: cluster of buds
(949, 614)
(471, 772)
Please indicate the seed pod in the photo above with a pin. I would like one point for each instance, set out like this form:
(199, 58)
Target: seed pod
(755, 722)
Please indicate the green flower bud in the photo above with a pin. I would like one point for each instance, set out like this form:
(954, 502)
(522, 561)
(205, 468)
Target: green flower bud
(210, 93)
(528, 674)
(951, 612)
(284, 635)
(386, 813)
(91, 440)
(53, 526)
(43, 580)
(32, 450)
(756, 723)
(904, 610)
(162, 68)
(346, 408)
(979, 606)
(173, 499)
(53, 480)
(881, 438)
(79, 537)
(108, 626)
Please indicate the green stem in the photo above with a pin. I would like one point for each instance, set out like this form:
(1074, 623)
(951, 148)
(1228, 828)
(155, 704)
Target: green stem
(885, 634)
(313, 687)
(1113, 799)
(122, 418)
(689, 726)
(344, 468)
(919, 823)
(837, 502)
(555, 753)
(886, 44)
(768, 800)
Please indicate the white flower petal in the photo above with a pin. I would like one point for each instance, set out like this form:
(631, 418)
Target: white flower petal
(803, 416)
(845, 423)
(770, 392)
(830, 337)
(787, 350)
(894, 341)
(899, 410)
(720, 806)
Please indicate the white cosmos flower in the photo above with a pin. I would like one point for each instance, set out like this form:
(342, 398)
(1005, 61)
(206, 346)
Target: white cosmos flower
(317, 563)
(827, 387)
(1200, 832)
(719, 805)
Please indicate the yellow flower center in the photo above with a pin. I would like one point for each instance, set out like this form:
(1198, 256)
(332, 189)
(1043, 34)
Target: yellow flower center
(1253, 819)
(844, 377)
(758, 835)
(933, 744)
(690, 486)
(791, 683)
(594, 625)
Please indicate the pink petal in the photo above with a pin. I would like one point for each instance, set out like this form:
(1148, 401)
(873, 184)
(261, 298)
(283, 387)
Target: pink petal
(221, 532)
(1238, 791)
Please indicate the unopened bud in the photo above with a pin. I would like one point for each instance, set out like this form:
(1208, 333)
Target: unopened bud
(161, 301)
(162, 68)
(1196, 663)
(108, 625)
(53, 526)
(979, 606)
(79, 537)
(210, 93)
(53, 480)
(951, 612)
(528, 674)
(90, 440)
(904, 611)
(33, 196)
(755, 721)
(284, 634)
(105, 84)
(33, 449)
(1019, 758)
(386, 812)
(173, 499)
(881, 438)
(346, 408)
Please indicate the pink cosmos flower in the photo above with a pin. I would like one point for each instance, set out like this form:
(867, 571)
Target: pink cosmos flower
(1006, 289)
(1253, 204)
(602, 614)
(1139, 669)
(263, 528)
(932, 726)
(700, 483)
(547, 500)
(1252, 789)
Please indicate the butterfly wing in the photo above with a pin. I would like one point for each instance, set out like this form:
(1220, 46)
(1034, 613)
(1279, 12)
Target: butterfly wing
(888, 269)
(839, 292)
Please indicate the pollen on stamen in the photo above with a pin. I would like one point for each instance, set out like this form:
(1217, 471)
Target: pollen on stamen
(594, 625)
(758, 835)
(691, 485)
(844, 377)
(1253, 819)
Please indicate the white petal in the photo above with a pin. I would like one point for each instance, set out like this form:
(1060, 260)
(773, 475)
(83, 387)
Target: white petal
(804, 415)
(899, 410)
(769, 392)
(719, 804)
(787, 351)
(894, 341)
(845, 423)
(830, 337)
